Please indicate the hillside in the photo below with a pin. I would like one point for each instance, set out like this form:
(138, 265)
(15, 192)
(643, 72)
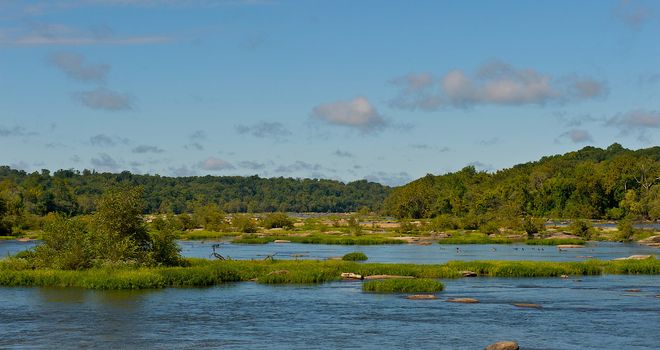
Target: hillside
(595, 183)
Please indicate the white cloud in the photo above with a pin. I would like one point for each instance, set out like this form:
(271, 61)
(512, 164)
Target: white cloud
(576, 136)
(147, 149)
(638, 122)
(105, 163)
(75, 67)
(356, 113)
(495, 83)
(264, 129)
(55, 34)
(215, 164)
(105, 99)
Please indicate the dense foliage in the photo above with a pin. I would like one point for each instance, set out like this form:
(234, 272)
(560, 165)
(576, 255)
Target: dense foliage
(115, 235)
(27, 196)
(591, 183)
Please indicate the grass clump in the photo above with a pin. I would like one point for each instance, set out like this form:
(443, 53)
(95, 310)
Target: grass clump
(320, 239)
(400, 285)
(475, 238)
(355, 256)
(555, 241)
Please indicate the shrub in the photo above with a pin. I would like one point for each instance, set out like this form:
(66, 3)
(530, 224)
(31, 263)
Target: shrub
(489, 228)
(244, 223)
(278, 220)
(626, 229)
(210, 217)
(444, 222)
(581, 228)
(401, 285)
(406, 227)
(355, 256)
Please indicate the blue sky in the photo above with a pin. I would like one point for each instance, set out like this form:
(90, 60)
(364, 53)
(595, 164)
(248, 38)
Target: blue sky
(383, 90)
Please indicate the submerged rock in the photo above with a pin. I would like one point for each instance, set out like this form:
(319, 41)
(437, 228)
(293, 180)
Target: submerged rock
(635, 257)
(463, 300)
(503, 345)
(421, 297)
(633, 290)
(281, 241)
(351, 276)
(570, 246)
(528, 305)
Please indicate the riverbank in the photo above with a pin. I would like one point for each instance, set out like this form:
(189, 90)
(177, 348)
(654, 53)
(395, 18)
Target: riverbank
(202, 272)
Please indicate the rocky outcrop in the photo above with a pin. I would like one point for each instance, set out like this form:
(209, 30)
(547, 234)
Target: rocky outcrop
(503, 345)
(351, 276)
(463, 300)
(635, 257)
(422, 297)
(527, 305)
(468, 273)
(281, 241)
(570, 246)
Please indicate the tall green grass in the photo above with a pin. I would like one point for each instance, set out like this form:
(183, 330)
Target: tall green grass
(555, 241)
(320, 239)
(202, 272)
(475, 238)
(423, 285)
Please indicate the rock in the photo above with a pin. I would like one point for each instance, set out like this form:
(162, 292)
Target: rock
(635, 257)
(503, 345)
(385, 277)
(281, 241)
(633, 290)
(652, 239)
(424, 243)
(563, 276)
(570, 246)
(463, 300)
(528, 305)
(468, 273)
(421, 297)
(335, 258)
(351, 276)
(279, 272)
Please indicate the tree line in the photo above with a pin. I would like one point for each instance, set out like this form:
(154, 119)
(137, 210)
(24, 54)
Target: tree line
(24, 197)
(591, 183)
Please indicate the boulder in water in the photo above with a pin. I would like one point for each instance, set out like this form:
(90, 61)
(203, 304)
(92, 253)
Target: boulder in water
(503, 345)
(463, 300)
(421, 297)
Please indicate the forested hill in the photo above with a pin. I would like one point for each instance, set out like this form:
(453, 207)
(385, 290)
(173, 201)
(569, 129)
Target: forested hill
(608, 183)
(74, 192)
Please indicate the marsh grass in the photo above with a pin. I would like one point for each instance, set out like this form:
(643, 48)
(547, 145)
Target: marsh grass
(205, 234)
(554, 241)
(202, 272)
(475, 238)
(355, 256)
(320, 239)
(422, 285)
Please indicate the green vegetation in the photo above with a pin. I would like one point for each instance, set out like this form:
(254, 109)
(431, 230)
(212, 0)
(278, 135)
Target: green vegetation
(199, 272)
(115, 235)
(355, 256)
(400, 285)
(320, 239)
(475, 238)
(278, 220)
(555, 241)
(591, 183)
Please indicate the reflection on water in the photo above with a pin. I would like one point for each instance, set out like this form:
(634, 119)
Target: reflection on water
(592, 312)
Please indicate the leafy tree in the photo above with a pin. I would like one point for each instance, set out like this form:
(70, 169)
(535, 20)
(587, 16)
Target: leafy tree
(244, 223)
(67, 244)
(278, 220)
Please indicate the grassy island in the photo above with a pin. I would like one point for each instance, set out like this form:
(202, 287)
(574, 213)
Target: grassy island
(202, 272)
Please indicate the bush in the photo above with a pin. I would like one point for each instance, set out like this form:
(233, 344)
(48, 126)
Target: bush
(278, 220)
(581, 228)
(67, 245)
(406, 227)
(244, 223)
(401, 285)
(355, 256)
(489, 228)
(444, 222)
(626, 229)
(532, 226)
(210, 217)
